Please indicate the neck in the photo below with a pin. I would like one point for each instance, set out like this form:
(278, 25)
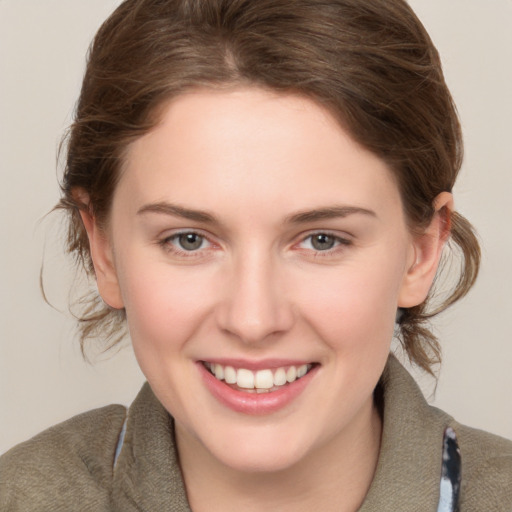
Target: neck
(336, 476)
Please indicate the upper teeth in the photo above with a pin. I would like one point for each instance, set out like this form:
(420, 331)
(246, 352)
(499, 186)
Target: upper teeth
(259, 380)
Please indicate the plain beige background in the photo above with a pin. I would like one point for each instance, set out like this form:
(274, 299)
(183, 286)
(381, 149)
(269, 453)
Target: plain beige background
(43, 379)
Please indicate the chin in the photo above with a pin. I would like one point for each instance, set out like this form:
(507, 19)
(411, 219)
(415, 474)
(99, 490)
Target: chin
(262, 451)
(260, 461)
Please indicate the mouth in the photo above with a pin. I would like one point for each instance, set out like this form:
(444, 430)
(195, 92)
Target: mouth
(265, 380)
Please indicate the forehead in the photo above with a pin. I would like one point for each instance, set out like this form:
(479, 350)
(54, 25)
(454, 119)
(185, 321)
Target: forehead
(255, 148)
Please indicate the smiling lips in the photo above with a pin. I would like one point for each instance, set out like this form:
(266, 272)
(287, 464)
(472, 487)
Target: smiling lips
(256, 388)
(260, 381)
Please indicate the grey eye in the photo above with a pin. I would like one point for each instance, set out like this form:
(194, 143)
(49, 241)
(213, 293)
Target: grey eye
(322, 242)
(190, 241)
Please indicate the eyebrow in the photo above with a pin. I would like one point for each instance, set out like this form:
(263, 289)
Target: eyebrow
(302, 217)
(177, 211)
(331, 212)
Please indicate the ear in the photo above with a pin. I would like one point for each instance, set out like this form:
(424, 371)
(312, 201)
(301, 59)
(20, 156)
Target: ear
(426, 254)
(101, 255)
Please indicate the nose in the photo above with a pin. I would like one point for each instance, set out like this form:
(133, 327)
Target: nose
(255, 305)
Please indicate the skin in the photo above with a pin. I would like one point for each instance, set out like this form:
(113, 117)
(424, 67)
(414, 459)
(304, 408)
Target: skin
(257, 288)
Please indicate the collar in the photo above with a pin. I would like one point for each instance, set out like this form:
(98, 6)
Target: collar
(147, 475)
(409, 468)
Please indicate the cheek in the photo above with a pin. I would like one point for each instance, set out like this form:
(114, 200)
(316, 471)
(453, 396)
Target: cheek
(163, 307)
(356, 307)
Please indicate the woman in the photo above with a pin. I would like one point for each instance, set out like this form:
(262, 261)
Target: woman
(262, 191)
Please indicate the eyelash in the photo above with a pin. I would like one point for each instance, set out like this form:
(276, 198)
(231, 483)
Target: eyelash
(167, 244)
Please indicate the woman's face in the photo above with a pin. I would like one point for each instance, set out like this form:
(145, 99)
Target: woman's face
(251, 237)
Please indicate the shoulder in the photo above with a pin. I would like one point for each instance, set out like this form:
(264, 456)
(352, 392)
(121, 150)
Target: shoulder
(36, 474)
(486, 470)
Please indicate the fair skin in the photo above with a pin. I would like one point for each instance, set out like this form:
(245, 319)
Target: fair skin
(248, 230)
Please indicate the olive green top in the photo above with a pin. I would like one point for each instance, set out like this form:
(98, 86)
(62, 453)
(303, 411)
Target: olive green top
(71, 466)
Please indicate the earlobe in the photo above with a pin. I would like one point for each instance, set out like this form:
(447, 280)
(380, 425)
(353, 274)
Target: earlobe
(427, 248)
(101, 255)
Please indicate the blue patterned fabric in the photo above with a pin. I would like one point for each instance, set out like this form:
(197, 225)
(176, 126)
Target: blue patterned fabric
(120, 442)
(450, 473)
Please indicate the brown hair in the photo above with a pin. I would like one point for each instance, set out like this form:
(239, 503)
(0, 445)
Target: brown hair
(370, 62)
